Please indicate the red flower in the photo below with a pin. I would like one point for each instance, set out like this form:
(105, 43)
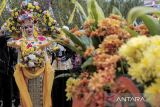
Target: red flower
(29, 45)
(41, 38)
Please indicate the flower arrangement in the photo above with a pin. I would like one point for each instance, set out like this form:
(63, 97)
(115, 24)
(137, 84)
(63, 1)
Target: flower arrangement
(111, 53)
(103, 62)
(33, 11)
(31, 56)
(142, 54)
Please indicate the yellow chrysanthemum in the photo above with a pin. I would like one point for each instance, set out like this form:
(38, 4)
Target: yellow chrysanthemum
(133, 49)
(143, 57)
(152, 94)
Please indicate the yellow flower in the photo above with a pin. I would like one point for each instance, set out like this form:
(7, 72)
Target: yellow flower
(37, 7)
(12, 14)
(51, 19)
(38, 15)
(71, 87)
(55, 48)
(16, 13)
(49, 23)
(143, 57)
(30, 5)
(52, 28)
(152, 93)
(13, 28)
(47, 14)
(45, 20)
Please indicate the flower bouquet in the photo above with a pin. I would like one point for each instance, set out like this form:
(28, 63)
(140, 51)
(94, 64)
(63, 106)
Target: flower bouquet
(115, 56)
(32, 57)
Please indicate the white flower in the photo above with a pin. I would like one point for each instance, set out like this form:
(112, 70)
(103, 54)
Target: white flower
(31, 64)
(44, 12)
(35, 3)
(24, 3)
(65, 27)
(25, 58)
(38, 52)
(32, 57)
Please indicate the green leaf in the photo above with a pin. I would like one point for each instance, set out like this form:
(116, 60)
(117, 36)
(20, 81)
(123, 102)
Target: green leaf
(95, 41)
(94, 11)
(74, 39)
(136, 12)
(116, 11)
(2, 5)
(132, 32)
(88, 62)
(152, 24)
(73, 1)
(72, 16)
(80, 9)
(86, 40)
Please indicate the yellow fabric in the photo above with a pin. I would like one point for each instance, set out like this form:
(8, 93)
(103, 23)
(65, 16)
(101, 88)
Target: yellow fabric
(21, 73)
(32, 75)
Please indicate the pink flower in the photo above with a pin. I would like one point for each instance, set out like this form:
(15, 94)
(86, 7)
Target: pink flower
(29, 45)
(41, 38)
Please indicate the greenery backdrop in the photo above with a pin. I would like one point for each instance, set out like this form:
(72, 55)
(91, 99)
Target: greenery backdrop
(63, 8)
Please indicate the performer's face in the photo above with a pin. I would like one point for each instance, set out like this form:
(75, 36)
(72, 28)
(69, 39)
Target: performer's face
(28, 27)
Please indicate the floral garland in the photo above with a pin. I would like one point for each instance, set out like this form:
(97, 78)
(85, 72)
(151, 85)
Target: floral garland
(46, 22)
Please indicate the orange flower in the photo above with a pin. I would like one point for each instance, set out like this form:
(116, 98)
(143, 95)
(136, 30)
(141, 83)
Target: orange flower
(111, 44)
(141, 29)
(89, 51)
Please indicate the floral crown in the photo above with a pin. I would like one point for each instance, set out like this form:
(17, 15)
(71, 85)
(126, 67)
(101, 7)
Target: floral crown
(25, 16)
(32, 11)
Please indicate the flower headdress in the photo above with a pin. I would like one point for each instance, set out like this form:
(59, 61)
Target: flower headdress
(34, 12)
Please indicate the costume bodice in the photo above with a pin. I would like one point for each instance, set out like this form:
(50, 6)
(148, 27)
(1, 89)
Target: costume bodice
(32, 51)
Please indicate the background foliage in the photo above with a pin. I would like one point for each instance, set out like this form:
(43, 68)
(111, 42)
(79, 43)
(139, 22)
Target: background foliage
(63, 8)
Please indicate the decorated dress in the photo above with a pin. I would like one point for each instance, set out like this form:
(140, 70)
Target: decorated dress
(33, 73)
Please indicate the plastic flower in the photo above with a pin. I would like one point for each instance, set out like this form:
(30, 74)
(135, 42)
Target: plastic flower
(49, 23)
(37, 7)
(35, 3)
(51, 19)
(41, 38)
(29, 45)
(32, 57)
(16, 13)
(24, 3)
(52, 28)
(30, 5)
(31, 64)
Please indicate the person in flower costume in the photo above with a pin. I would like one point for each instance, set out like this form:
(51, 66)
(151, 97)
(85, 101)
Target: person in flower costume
(33, 72)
